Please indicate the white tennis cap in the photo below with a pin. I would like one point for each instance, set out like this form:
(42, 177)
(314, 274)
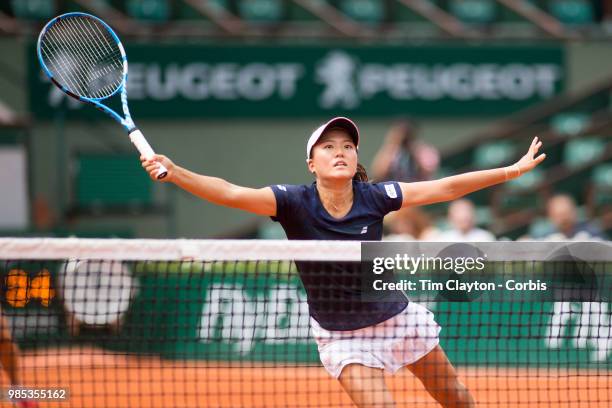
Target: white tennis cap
(341, 122)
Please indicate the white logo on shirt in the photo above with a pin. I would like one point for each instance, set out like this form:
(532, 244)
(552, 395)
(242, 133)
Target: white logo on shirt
(364, 229)
(281, 187)
(391, 192)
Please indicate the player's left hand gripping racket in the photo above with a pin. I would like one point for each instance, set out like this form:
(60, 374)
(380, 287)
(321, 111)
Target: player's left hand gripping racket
(83, 56)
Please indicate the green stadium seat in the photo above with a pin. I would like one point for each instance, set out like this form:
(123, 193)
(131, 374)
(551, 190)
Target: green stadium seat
(270, 230)
(442, 224)
(72, 5)
(296, 12)
(483, 215)
(602, 176)
(261, 10)
(149, 10)
(580, 151)
(399, 13)
(438, 209)
(570, 124)
(219, 5)
(506, 15)
(540, 228)
(526, 181)
(573, 12)
(34, 9)
(184, 11)
(366, 11)
(474, 11)
(93, 190)
(518, 193)
(443, 172)
(581, 213)
(602, 185)
(494, 154)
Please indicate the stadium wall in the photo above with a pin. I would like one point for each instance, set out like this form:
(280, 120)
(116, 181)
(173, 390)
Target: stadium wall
(250, 152)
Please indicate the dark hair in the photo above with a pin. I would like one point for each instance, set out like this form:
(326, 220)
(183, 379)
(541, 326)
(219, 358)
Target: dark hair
(361, 174)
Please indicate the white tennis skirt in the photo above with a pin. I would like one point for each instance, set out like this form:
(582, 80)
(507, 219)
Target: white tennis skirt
(390, 345)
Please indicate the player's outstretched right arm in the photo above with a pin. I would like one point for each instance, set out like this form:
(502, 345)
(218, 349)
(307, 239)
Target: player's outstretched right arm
(216, 190)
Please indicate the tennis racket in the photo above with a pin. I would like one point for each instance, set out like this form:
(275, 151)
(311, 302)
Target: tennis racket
(83, 56)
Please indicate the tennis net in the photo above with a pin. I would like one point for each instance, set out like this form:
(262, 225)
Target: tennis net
(223, 323)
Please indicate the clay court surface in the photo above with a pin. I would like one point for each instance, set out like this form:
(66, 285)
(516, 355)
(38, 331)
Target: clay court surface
(99, 379)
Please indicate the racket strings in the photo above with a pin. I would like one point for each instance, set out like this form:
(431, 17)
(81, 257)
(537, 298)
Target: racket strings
(71, 42)
(109, 63)
(83, 57)
(114, 57)
(103, 58)
(68, 73)
(71, 64)
(60, 64)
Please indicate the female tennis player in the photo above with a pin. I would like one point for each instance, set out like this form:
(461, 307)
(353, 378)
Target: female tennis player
(342, 205)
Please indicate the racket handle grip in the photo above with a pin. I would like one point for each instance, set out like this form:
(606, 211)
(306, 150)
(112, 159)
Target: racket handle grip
(145, 149)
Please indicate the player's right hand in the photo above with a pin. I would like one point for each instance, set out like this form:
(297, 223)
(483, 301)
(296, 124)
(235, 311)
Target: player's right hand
(151, 166)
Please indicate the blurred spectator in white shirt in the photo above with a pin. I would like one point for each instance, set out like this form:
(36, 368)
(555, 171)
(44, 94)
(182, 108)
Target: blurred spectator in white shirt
(563, 215)
(462, 218)
(409, 224)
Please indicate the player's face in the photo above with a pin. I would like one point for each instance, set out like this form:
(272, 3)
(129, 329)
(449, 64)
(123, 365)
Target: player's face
(334, 156)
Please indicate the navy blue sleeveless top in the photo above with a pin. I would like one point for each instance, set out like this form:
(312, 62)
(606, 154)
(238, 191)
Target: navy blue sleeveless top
(334, 290)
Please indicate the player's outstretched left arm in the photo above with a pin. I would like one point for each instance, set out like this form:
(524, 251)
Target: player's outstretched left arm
(453, 187)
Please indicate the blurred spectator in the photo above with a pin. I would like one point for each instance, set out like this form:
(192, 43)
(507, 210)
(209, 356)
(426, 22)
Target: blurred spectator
(409, 224)
(403, 157)
(43, 217)
(462, 218)
(562, 213)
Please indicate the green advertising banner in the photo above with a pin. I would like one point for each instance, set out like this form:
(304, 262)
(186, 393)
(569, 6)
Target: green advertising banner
(241, 312)
(264, 317)
(205, 81)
